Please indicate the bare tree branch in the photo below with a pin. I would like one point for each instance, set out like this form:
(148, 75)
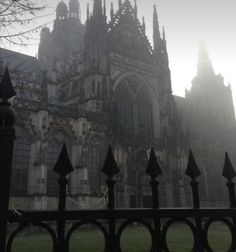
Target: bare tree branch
(17, 20)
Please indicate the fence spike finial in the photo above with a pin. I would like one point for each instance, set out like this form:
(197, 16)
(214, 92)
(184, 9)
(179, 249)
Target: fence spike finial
(63, 165)
(228, 171)
(6, 88)
(192, 168)
(110, 167)
(153, 168)
(7, 114)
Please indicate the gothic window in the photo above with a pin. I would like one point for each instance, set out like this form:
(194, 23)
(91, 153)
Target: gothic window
(133, 111)
(144, 112)
(93, 87)
(20, 166)
(93, 163)
(53, 151)
(123, 110)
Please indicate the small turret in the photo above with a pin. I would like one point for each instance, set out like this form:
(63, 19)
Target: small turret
(62, 11)
(74, 9)
(45, 32)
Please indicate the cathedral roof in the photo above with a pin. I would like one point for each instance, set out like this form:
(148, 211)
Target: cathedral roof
(126, 27)
(18, 62)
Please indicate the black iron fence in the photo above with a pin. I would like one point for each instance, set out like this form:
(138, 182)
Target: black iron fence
(156, 220)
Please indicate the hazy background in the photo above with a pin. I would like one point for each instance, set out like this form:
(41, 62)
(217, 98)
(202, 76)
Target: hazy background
(186, 23)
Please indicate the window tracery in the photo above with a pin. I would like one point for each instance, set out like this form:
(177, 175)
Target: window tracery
(20, 166)
(133, 110)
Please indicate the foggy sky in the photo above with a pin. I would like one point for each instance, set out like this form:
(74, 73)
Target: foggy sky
(186, 23)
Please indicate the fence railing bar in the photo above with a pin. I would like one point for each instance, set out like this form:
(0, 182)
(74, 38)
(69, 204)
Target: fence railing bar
(154, 170)
(63, 167)
(110, 169)
(7, 137)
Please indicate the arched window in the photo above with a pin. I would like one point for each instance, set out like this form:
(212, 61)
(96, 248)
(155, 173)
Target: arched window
(133, 109)
(20, 166)
(53, 151)
(144, 114)
(93, 163)
(123, 110)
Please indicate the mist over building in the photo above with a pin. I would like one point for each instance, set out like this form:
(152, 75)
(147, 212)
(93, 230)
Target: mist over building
(102, 83)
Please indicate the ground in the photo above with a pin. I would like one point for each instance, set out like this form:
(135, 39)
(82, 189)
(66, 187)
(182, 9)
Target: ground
(134, 239)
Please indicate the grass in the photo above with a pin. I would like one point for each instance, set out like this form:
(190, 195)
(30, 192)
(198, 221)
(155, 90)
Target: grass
(134, 239)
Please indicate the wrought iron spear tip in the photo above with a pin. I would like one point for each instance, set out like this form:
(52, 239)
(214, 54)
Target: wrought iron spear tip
(6, 88)
(7, 114)
(63, 165)
(110, 167)
(153, 168)
(228, 171)
(192, 168)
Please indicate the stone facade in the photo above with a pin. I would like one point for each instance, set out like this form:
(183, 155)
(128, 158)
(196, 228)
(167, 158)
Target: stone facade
(96, 84)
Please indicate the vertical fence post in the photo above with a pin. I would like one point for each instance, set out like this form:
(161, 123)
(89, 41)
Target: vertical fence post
(63, 167)
(7, 137)
(229, 173)
(193, 172)
(154, 170)
(110, 168)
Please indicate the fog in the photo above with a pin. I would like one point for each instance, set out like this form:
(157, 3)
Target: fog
(186, 23)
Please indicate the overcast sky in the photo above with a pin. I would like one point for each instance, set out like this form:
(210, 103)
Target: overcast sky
(186, 23)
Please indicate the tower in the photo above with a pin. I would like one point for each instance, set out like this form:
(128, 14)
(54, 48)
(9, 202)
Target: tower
(210, 96)
(61, 11)
(95, 67)
(74, 9)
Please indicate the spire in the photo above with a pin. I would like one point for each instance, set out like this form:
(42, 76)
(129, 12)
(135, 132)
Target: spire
(119, 3)
(204, 63)
(97, 7)
(135, 8)
(144, 25)
(156, 30)
(61, 11)
(74, 9)
(88, 16)
(112, 11)
(104, 8)
(163, 33)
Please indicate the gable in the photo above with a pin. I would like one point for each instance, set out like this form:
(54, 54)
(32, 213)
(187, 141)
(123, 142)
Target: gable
(127, 35)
